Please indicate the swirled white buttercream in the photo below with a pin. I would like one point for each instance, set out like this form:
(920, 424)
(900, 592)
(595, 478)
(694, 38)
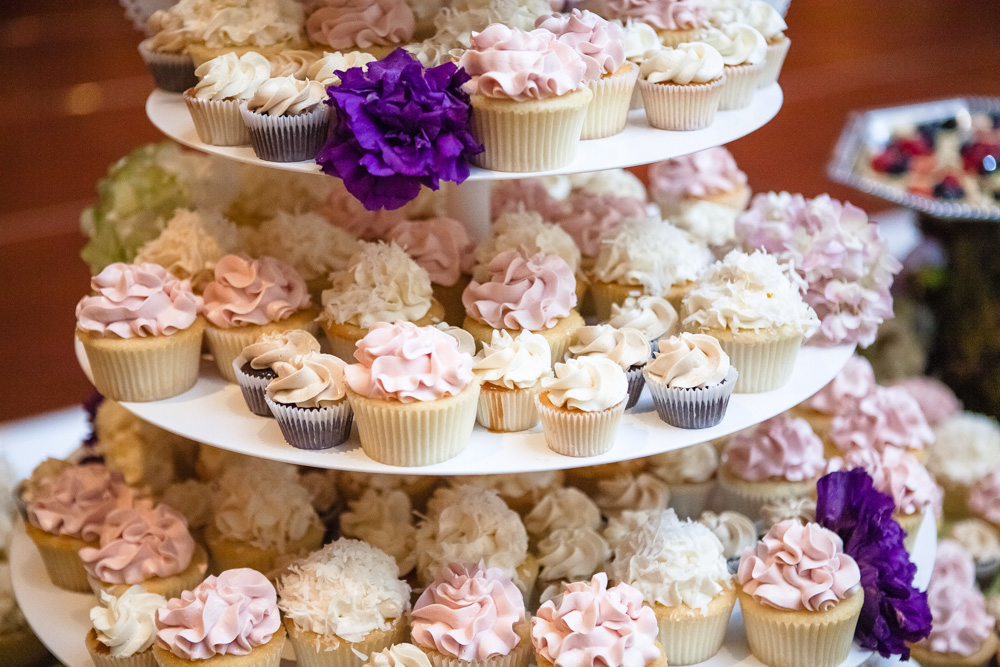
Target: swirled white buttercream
(572, 553)
(652, 315)
(514, 363)
(687, 465)
(650, 253)
(688, 361)
(566, 507)
(287, 96)
(632, 492)
(626, 347)
(124, 624)
(619, 182)
(242, 22)
(620, 525)
(399, 655)
(383, 519)
(965, 448)
(708, 222)
(311, 380)
(765, 19)
(696, 62)
(784, 508)
(231, 77)
(191, 244)
(526, 229)
(735, 531)
(737, 43)
(590, 384)
(640, 39)
(324, 69)
(306, 241)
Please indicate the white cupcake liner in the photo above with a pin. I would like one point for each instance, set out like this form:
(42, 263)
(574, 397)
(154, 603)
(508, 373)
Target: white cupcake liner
(672, 106)
(748, 497)
(102, 658)
(741, 84)
(636, 381)
(252, 387)
(287, 138)
(504, 410)
(309, 647)
(218, 122)
(578, 433)
(773, 61)
(607, 113)
(692, 408)
(313, 428)
(689, 500)
(697, 638)
(763, 366)
(172, 72)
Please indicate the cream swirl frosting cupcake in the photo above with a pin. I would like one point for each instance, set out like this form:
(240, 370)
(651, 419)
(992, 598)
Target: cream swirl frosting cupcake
(627, 347)
(124, 629)
(287, 119)
(691, 380)
(399, 655)
(563, 507)
(581, 406)
(373, 27)
(654, 316)
(191, 244)
(325, 68)
(735, 531)
(690, 474)
(640, 492)
(254, 367)
(766, 20)
(511, 370)
(682, 87)
(572, 553)
(711, 175)
(383, 519)
(214, 102)
(309, 400)
(743, 50)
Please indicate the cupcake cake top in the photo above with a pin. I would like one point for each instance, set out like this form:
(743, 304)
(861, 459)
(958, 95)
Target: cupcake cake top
(347, 24)
(899, 474)
(241, 23)
(639, 38)
(469, 612)
(399, 655)
(589, 217)
(273, 347)
(325, 69)
(524, 229)
(564, 507)
(383, 519)
(735, 531)
(887, 417)
(631, 492)
(689, 361)
(77, 501)
(407, 363)
(139, 543)
(688, 465)
(800, 568)
(689, 63)
(654, 316)
(344, 591)
(253, 291)
(591, 624)
(514, 363)
(661, 14)
(294, 63)
(855, 381)
(307, 242)
(125, 623)
(626, 347)
(965, 447)
(707, 222)
(572, 553)
(524, 292)
(737, 43)
(601, 44)
(226, 615)
(708, 172)
(133, 300)
(936, 400)
(380, 284)
(287, 96)
(231, 77)
(783, 447)
(765, 19)
(590, 384)
(191, 244)
(984, 497)
(748, 292)
(442, 246)
(311, 380)
(959, 622)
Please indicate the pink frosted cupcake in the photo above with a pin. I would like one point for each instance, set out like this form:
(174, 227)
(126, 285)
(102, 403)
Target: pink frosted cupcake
(626, 347)
(984, 498)
(376, 27)
(853, 383)
(250, 297)
(708, 175)
(413, 394)
(936, 399)
(471, 615)
(308, 398)
(676, 21)
(888, 417)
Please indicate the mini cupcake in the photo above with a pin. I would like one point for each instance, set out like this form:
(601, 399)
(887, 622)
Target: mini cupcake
(766, 20)
(800, 596)
(735, 531)
(982, 541)
(571, 553)
(325, 68)
(165, 52)
(471, 615)
(626, 347)
(654, 316)
(254, 367)
(690, 473)
(510, 370)
(640, 39)
(520, 491)
(214, 103)
(751, 305)
(413, 394)
(680, 570)
(377, 28)
(124, 628)
(287, 119)
(691, 380)
(250, 297)
(308, 398)
(582, 405)
(342, 601)
(141, 332)
(780, 457)
(966, 448)
(710, 175)
(682, 87)
(534, 293)
(532, 121)
(224, 618)
(744, 51)
(294, 63)
(383, 519)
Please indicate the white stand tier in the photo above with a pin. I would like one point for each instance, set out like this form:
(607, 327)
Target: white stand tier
(638, 144)
(61, 619)
(213, 412)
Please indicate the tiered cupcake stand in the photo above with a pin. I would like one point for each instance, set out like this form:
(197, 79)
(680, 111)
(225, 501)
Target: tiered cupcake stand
(213, 412)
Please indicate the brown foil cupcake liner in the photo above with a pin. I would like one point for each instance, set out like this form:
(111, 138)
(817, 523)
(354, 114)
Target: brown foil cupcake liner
(218, 122)
(287, 138)
(227, 344)
(698, 407)
(672, 106)
(313, 428)
(636, 381)
(763, 365)
(172, 72)
(741, 84)
(607, 113)
(252, 387)
(313, 650)
(503, 410)
(102, 657)
(773, 61)
(578, 433)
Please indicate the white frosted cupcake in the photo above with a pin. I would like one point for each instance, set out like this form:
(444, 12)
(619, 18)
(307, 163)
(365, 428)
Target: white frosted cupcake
(214, 103)
(635, 492)
(768, 22)
(123, 629)
(690, 473)
(582, 405)
(965, 448)
(571, 553)
(399, 655)
(254, 367)
(308, 398)
(565, 507)
(640, 39)
(691, 380)
(744, 51)
(511, 370)
(384, 519)
(682, 87)
(287, 119)
(293, 62)
(654, 316)
(736, 532)
(627, 347)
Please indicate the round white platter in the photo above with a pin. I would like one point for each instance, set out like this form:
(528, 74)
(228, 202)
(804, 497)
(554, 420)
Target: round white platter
(213, 412)
(638, 144)
(61, 619)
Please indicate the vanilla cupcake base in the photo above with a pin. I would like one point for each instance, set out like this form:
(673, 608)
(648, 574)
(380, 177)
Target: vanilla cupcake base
(265, 655)
(748, 497)
(607, 113)
(674, 106)
(102, 657)
(774, 59)
(227, 344)
(690, 636)
(765, 359)
(315, 650)
(925, 657)
(168, 587)
(557, 336)
(344, 336)
(694, 407)
(578, 433)
(60, 556)
(229, 554)
(741, 84)
(503, 410)
(518, 656)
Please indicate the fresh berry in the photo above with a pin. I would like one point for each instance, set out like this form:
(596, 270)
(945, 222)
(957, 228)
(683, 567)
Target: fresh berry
(891, 161)
(949, 189)
(928, 132)
(914, 146)
(979, 157)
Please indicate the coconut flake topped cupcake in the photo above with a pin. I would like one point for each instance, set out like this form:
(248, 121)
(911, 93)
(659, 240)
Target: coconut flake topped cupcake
(511, 370)
(582, 405)
(709, 175)
(682, 87)
(626, 347)
(373, 27)
(191, 244)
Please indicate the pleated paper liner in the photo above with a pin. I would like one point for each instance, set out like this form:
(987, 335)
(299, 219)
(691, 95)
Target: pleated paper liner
(217, 122)
(265, 655)
(697, 407)
(518, 656)
(607, 113)
(314, 650)
(173, 72)
(101, 655)
(636, 381)
(313, 428)
(765, 360)
(577, 433)
(227, 344)
(741, 84)
(504, 410)
(252, 387)
(60, 556)
(671, 106)
(748, 497)
(773, 61)
(168, 587)
(690, 636)
(287, 138)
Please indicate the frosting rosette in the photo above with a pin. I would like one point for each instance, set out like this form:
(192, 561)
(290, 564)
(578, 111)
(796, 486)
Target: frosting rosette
(231, 77)
(781, 509)
(966, 447)
(783, 447)
(737, 43)
(273, 347)
(984, 497)
(226, 615)
(572, 553)
(898, 473)
(77, 501)
(520, 228)
(124, 623)
(704, 173)
(639, 38)
(590, 384)
(652, 315)
(694, 62)
(442, 246)
(855, 381)
(346, 24)
(325, 69)
(591, 624)
(408, 363)
(287, 96)
(399, 655)
(799, 567)
(524, 292)
(166, 32)
(601, 44)
(253, 291)
(661, 14)
(137, 300)
(631, 493)
(689, 361)
(293, 62)
(588, 217)
(735, 531)
(936, 400)
(626, 347)
(311, 380)
(688, 465)
(514, 363)
(887, 417)
(468, 612)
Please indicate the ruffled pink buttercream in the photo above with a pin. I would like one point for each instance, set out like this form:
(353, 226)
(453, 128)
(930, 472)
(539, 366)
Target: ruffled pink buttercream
(346, 24)
(408, 363)
(77, 501)
(528, 194)
(508, 63)
(783, 447)
(139, 543)
(524, 292)
(842, 394)
(959, 622)
(953, 564)
(587, 217)
(591, 625)
(601, 44)
(661, 14)
(347, 212)
(226, 615)
(888, 416)
(708, 172)
(799, 567)
(442, 246)
(469, 612)
(984, 497)
(937, 401)
(137, 300)
(253, 291)
(898, 473)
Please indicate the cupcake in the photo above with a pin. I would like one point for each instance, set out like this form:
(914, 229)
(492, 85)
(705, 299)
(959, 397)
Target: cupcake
(966, 448)
(744, 51)
(564, 507)
(294, 63)
(532, 121)
(165, 52)
(520, 491)
(626, 347)
(146, 546)
(640, 39)
(376, 28)
(571, 553)
(287, 119)
(308, 398)
(675, 21)
(621, 182)
(637, 492)
(711, 224)
(534, 293)
(141, 332)
(123, 628)
(601, 45)
(937, 401)
(982, 541)
(800, 596)
(527, 229)
(267, 27)
(886, 417)
(66, 514)
(691, 380)
(399, 655)
(680, 570)
(413, 394)
(224, 618)
(471, 615)
(682, 87)
(383, 519)
(250, 297)
(214, 102)
(380, 284)
(735, 531)
(581, 406)
(654, 316)
(841, 395)
(343, 602)
(710, 175)
(751, 305)
(690, 474)
(510, 370)
(325, 69)
(766, 20)
(984, 498)
(780, 457)
(254, 367)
